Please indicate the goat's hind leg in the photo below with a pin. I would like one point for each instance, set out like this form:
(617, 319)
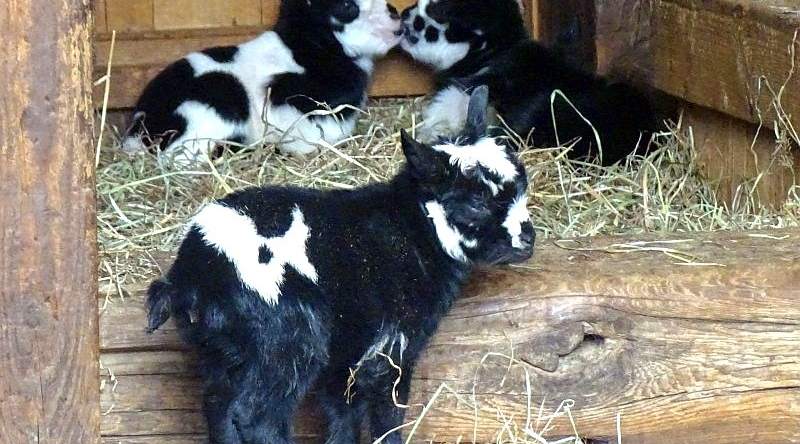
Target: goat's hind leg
(387, 411)
(218, 408)
(344, 415)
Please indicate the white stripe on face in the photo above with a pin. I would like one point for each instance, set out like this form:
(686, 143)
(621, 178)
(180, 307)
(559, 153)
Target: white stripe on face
(449, 236)
(516, 216)
(235, 236)
(486, 153)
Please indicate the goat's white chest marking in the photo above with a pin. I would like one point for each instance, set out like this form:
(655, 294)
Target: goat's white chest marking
(235, 236)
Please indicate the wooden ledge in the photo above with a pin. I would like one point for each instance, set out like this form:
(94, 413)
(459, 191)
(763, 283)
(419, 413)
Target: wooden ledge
(685, 352)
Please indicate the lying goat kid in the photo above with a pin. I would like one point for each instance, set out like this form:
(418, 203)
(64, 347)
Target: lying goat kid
(282, 289)
(475, 42)
(319, 57)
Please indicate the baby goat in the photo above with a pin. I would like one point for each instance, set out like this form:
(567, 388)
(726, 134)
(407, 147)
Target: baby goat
(319, 54)
(281, 289)
(477, 42)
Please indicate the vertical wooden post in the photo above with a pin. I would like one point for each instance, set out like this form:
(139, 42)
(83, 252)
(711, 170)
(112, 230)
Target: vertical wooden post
(48, 314)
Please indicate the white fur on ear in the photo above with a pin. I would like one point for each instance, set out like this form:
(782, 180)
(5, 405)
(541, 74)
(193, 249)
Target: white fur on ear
(521, 4)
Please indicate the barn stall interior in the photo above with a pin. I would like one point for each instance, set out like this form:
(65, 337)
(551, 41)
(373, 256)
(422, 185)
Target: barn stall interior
(660, 306)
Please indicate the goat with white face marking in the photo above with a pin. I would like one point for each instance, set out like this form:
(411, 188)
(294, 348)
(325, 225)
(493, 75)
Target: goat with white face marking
(320, 54)
(282, 289)
(484, 42)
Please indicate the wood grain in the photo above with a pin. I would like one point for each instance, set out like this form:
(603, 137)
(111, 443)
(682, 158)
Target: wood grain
(99, 11)
(685, 353)
(48, 252)
(126, 16)
(712, 53)
(734, 155)
(715, 57)
(191, 14)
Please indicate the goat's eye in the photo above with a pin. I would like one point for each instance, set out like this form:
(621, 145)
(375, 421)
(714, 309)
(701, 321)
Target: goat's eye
(346, 11)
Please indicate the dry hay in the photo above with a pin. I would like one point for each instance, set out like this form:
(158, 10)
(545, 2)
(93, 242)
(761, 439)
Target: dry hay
(142, 206)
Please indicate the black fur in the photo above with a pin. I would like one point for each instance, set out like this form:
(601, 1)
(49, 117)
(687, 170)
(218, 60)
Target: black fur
(383, 275)
(154, 116)
(222, 54)
(522, 75)
(330, 75)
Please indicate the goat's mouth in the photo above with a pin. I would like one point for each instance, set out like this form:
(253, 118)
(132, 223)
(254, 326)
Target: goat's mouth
(511, 257)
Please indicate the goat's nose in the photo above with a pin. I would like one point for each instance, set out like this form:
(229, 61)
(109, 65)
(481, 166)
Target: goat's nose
(393, 12)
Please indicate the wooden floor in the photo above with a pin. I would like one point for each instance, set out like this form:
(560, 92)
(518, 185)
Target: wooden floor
(707, 352)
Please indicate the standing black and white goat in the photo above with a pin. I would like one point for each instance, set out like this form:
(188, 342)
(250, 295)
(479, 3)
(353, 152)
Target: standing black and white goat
(280, 289)
(320, 54)
(476, 42)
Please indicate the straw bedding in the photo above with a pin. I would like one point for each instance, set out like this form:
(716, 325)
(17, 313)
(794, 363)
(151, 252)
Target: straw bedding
(142, 205)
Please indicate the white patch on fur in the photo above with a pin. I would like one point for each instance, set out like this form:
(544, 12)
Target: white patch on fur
(449, 237)
(133, 145)
(372, 34)
(204, 128)
(366, 64)
(297, 134)
(385, 344)
(440, 54)
(517, 215)
(445, 115)
(486, 153)
(235, 236)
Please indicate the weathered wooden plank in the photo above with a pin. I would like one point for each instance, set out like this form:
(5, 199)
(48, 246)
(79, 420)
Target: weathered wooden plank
(767, 416)
(99, 10)
(734, 156)
(630, 332)
(708, 52)
(712, 53)
(191, 14)
(269, 12)
(48, 253)
(156, 439)
(126, 16)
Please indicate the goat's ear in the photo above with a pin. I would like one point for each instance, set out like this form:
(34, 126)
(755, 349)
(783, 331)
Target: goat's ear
(477, 110)
(420, 157)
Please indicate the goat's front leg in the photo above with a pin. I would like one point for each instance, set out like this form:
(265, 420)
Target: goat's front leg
(344, 416)
(387, 411)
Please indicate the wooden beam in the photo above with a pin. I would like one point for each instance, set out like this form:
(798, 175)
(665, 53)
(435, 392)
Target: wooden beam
(704, 353)
(714, 53)
(48, 319)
